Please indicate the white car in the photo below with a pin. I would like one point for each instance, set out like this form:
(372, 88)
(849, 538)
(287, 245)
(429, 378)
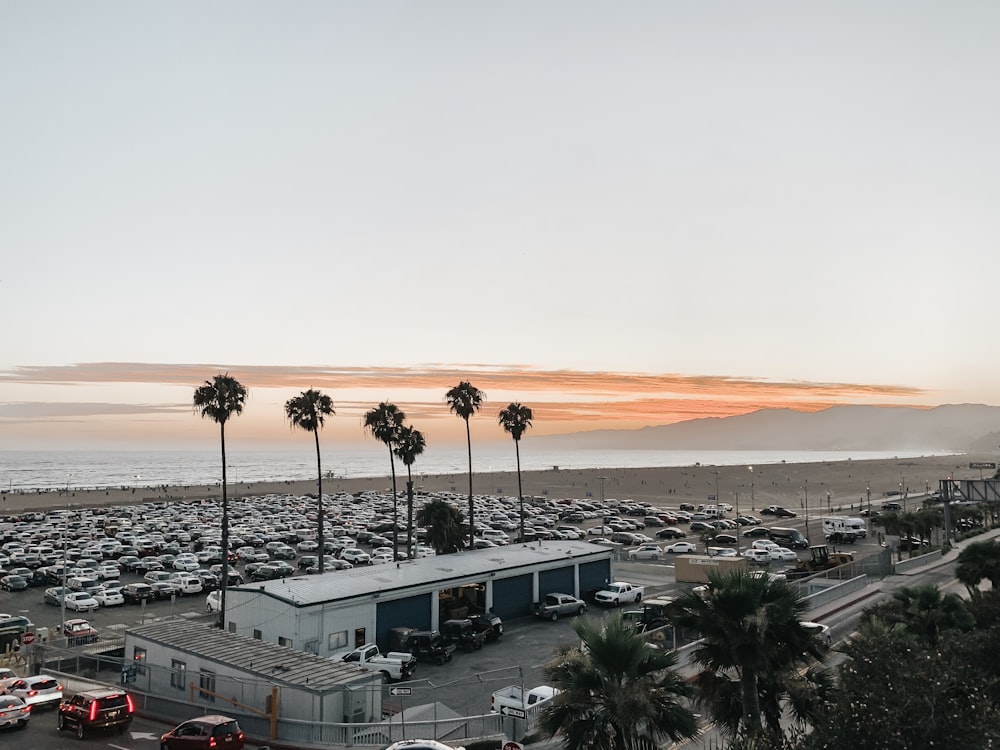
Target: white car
(765, 544)
(109, 597)
(37, 690)
(759, 556)
(355, 556)
(186, 564)
(782, 554)
(14, 712)
(107, 572)
(81, 601)
(381, 558)
(213, 601)
(645, 552)
(678, 548)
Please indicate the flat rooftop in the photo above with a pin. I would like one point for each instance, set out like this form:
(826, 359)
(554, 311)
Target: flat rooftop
(278, 664)
(338, 585)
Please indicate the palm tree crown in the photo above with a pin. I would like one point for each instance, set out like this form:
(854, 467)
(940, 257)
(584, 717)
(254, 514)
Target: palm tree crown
(752, 637)
(616, 692)
(515, 419)
(384, 423)
(465, 400)
(219, 399)
(308, 411)
(409, 444)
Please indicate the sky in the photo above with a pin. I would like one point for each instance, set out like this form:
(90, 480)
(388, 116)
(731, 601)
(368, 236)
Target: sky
(619, 214)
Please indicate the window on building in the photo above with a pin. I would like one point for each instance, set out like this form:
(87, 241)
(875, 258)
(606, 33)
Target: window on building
(206, 681)
(178, 674)
(282, 641)
(139, 657)
(338, 640)
(258, 635)
(311, 647)
(232, 627)
(359, 637)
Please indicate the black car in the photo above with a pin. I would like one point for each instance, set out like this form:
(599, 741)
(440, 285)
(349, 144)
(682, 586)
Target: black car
(761, 532)
(463, 634)
(135, 593)
(428, 645)
(489, 624)
(13, 583)
(725, 539)
(671, 532)
(103, 709)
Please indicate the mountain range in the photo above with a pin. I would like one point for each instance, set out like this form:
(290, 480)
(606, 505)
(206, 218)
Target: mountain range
(973, 428)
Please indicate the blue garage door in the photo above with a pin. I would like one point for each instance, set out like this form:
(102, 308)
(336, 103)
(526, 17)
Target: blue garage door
(593, 577)
(558, 581)
(512, 597)
(411, 612)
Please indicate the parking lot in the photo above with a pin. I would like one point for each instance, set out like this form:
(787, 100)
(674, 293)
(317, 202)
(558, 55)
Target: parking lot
(116, 546)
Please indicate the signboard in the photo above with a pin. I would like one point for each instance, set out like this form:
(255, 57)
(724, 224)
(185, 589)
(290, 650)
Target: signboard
(982, 465)
(129, 672)
(517, 713)
(400, 691)
(27, 639)
(712, 498)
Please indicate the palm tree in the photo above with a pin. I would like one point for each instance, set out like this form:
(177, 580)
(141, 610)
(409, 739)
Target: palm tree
(409, 444)
(444, 524)
(977, 561)
(515, 419)
(616, 693)
(925, 612)
(383, 423)
(464, 400)
(309, 411)
(752, 639)
(219, 399)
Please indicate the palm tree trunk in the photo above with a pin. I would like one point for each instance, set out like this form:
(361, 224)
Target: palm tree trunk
(395, 507)
(472, 520)
(319, 499)
(225, 531)
(409, 514)
(520, 494)
(751, 701)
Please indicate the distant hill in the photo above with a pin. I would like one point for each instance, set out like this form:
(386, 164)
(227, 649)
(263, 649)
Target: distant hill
(954, 427)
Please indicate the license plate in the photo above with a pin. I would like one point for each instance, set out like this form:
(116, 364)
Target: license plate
(112, 714)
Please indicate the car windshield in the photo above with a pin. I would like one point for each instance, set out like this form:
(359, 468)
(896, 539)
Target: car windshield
(44, 685)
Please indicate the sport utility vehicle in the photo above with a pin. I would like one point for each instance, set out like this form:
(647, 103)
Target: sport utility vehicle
(203, 733)
(96, 709)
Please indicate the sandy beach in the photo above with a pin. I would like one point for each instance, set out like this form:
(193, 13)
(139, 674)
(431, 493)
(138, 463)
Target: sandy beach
(837, 484)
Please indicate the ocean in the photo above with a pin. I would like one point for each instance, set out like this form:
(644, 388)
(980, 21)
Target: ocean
(26, 471)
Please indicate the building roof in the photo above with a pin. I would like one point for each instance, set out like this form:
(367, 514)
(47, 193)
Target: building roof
(502, 562)
(276, 664)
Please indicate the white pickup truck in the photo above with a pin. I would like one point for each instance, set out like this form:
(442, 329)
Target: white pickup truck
(619, 593)
(395, 665)
(513, 700)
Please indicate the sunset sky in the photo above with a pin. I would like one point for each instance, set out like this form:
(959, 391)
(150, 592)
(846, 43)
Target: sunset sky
(620, 214)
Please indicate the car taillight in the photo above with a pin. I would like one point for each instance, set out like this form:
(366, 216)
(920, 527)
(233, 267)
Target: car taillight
(26, 709)
(32, 692)
(212, 742)
(93, 711)
(129, 703)
(240, 736)
(59, 687)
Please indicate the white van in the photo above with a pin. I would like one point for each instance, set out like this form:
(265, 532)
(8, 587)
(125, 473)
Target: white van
(496, 536)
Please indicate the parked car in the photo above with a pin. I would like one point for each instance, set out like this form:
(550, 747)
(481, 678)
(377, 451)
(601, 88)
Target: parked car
(97, 709)
(645, 552)
(81, 601)
(13, 583)
(782, 554)
(724, 539)
(14, 712)
(698, 526)
(489, 624)
(671, 532)
(554, 605)
(210, 732)
(109, 597)
(757, 532)
(680, 548)
(134, 593)
(355, 556)
(79, 631)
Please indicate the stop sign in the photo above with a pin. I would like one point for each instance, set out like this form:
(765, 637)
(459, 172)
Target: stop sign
(27, 639)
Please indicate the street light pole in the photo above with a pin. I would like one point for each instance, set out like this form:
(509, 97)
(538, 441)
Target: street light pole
(753, 502)
(868, 491)
(808, 539)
